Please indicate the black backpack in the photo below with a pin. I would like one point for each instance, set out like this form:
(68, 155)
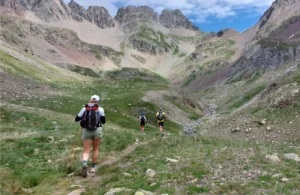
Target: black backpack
(142, 119)
(91, 117)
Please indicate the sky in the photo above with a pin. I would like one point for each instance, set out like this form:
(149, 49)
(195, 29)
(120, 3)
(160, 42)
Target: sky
(208, 15)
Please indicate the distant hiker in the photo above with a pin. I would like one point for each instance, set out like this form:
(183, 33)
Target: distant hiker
(143, 121)
(161, 117)
(91, 118)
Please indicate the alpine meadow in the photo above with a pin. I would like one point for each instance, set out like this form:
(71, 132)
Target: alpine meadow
(175, 110)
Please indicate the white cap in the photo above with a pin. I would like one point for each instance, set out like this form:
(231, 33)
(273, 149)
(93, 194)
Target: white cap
(95, 98)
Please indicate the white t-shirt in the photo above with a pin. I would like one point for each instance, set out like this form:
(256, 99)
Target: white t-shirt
(101, 112)
(144, 118)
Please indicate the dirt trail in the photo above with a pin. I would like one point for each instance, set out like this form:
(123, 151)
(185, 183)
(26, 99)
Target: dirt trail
(123, 153)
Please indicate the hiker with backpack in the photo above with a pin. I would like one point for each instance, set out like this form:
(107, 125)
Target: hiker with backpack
(143, 121)
(91, 119)
(161, 117)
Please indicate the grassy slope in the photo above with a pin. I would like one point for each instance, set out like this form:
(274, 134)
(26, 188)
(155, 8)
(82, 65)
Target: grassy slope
(206, 165)
(217, 55)
(26, 146)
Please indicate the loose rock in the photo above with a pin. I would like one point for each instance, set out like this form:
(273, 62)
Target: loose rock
(143, 192)
(273, 158)
(75, 186)
(172, 160)
(276, 175)
(27, 191)
(77, 192)
(127, 174)
(263, 122)
(292, 156)
(115, 190)
(150, 173)
(284, 179)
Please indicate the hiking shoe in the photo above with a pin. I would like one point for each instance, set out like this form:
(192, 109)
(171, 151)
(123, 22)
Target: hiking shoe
(84, 171)
(162, 134)
(93, 170)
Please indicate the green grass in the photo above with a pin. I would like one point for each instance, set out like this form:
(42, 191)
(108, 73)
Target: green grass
(297, 77)
(27, 131)
(246, 98)
(139, 58)
(193, 115)
(274, 44)
(181, 55)
(152, 37)
(82, 70)
(189, 79)
(198, 190)
(27, 134)
(229, 54)
(196, 157)
(176, 50)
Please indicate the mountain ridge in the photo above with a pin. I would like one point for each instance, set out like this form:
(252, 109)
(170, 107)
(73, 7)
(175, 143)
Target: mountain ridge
(163, 42)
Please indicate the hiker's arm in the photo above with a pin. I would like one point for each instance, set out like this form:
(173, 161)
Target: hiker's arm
(78, 118)
(102, 119)
(102, 116)
(80, 115)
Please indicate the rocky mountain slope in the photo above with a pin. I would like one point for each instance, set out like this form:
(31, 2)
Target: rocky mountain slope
(161, 44)
(138, 37)
(271, 43)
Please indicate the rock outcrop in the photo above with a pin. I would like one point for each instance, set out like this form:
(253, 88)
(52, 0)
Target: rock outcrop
(175, 19)
(53, 11)
(275, 6)
(265, 55)
(145, 46)
(94, 14)
(131, 15)
(78, 12)
(11, 6)
(100, 16)
(47, 10)
(269, 21)
(227, 32)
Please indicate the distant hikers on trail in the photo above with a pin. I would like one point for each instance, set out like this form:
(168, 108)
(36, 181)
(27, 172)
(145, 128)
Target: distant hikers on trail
(91, 119)
(161, 117)
(143, 121)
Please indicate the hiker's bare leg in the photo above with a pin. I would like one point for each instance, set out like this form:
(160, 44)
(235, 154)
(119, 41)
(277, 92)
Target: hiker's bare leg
(87, 149)
(161, 128)
(96, 145)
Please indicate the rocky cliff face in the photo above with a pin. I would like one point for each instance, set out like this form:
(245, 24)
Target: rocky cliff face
(276, 5)
(47, 10)
(100, 16)
(12, 6)
(78, 12)
(279, 11)
(94, 14)
(53, 11)
(175, 19)
(266, 55)
(277, 40)
(132, 15)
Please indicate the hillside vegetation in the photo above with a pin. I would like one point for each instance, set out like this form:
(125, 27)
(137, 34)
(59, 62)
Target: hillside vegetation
(232, 101)
(38, 130)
